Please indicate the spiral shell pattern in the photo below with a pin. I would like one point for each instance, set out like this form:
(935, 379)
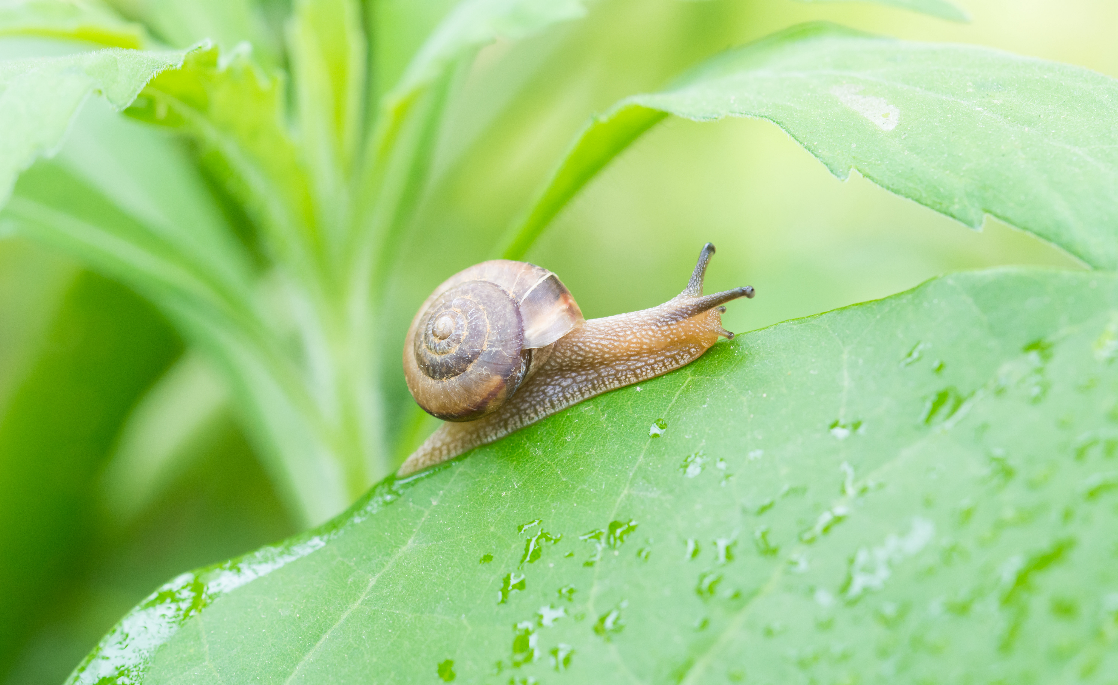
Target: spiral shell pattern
(472, 343)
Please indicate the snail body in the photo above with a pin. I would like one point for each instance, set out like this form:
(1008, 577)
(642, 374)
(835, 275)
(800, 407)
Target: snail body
(503, 344)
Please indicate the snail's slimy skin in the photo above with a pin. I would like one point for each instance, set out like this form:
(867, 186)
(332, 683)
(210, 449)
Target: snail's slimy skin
(595, 356)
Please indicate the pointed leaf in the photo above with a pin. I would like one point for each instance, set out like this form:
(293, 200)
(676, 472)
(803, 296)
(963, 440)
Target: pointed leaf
(328, 54)
(925, 482)
(967, 131)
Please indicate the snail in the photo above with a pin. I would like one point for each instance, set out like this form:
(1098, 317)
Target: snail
(503, 344)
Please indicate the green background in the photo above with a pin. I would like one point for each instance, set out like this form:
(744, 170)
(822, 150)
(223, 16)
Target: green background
(87, 531)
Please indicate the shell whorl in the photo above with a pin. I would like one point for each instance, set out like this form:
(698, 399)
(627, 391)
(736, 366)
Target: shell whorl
(471, 344)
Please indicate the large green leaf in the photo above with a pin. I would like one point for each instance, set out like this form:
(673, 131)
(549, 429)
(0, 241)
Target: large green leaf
(921, 488)
(39, 98)
(84, 20)
(964, 130)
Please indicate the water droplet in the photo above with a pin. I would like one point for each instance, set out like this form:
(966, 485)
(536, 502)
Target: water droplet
(1098, 483)
(798, 563)
(823, 598)
(693, 464)
(701, 623)
(610, 623)
(724, 550)
(764, 506)
(446, 671)
(567, 592)
(942, 405)
(657, 429)
(486, 558)
(708, 584)
(754, 455)
(525, 526)
(1105, 346)
(939, 366)
(827, 520)
(643, 553)
(524, 644)
(761, 541)
(548, 615)
(1042, 349)
(533, 546)
(870, 568)
(618, 531)
(847, 479)
(513, 582)
(843, 431)
(594, 536)
(692, 550)
(561, 657)
(913, 355)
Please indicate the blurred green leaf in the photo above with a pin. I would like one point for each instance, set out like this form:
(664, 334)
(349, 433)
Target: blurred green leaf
(924, 482)
(159, 436)
(237, 115)
(475, 23)
(103, 346)
(39, 98)
(963, 130)
(400, 147)
(396, 30)
(329, 59)
(936, 8)
(227, 23)
(84, 20)
(152, 223)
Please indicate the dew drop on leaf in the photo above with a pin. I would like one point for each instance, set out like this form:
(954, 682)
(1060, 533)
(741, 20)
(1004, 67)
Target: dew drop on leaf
(446, 671)
(512, 582)
(524, 644)
(692, 550)
(561, 657)
(708, 584)
(610, 623)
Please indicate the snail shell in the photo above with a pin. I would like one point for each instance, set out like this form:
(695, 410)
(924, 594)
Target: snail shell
(481, 334)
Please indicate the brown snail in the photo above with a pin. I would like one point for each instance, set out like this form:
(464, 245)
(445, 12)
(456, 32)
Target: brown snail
(503, 344)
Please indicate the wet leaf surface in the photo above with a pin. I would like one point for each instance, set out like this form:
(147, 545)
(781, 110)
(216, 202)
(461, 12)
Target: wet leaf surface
(920, 488)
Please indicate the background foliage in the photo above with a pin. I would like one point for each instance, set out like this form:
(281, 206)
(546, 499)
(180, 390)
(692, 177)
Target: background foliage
(124, 460)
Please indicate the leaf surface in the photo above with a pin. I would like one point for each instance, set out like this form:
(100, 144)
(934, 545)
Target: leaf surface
(923, 484)
(39, 98)
(966, 131)
(936, 8)
(84, 20)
